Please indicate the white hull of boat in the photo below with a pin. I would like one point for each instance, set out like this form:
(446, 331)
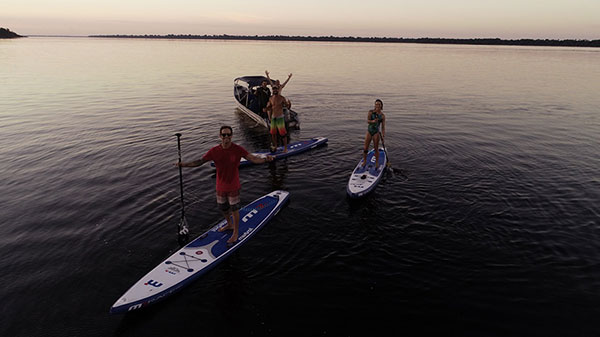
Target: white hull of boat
(259, 120)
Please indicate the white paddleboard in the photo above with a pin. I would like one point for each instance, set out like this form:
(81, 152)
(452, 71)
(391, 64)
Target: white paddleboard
(199, 256)
(365, 178)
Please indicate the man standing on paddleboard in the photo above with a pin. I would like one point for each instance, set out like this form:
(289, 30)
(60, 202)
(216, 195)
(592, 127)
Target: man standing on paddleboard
(226, 157)
(275, 110)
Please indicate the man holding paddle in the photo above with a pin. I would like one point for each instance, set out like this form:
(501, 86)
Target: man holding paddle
(226, 157)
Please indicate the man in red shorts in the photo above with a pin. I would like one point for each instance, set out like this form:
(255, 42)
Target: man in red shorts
(227, 157)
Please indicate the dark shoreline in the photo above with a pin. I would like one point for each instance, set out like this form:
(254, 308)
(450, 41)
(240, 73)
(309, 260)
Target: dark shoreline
(6, 33)
(482, 41)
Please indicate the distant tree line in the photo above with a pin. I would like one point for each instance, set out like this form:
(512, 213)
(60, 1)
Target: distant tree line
(427, 40)
(5, 33)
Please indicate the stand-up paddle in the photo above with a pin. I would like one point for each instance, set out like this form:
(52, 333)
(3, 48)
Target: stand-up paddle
(389, 164)
(182, 227)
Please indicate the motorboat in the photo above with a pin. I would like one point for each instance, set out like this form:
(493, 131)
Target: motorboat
(244, 89)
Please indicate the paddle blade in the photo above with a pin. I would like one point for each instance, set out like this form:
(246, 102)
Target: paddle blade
(183, 227)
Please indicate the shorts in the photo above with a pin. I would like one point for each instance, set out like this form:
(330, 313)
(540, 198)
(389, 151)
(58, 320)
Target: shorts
(278, 124)
(227, 200)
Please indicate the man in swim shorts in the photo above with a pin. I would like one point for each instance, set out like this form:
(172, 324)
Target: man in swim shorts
(275, 110)
(227, 161)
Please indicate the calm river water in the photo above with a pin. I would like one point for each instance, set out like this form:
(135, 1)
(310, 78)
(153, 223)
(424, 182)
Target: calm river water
(489, 225)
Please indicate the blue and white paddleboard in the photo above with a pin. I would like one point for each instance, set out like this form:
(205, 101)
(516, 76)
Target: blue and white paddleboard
(199, 256)
(364, 178)
(293, 149)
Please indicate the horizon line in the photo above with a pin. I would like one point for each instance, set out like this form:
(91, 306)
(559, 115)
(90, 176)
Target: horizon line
(332, 38)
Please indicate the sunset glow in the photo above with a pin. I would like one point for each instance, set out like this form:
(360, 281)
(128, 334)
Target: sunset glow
(511, 19)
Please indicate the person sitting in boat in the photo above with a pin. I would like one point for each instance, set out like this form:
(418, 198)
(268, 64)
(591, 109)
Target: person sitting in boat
(277, 83)
(275, 110)
(262, 94)
(253, 103)
(375, 119)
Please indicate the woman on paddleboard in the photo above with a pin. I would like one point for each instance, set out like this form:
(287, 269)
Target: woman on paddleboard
(375, 119)
(226, 157)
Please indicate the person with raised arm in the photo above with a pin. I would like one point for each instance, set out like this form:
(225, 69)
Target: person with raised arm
(226, 157)
(275, 111)
(277, 83)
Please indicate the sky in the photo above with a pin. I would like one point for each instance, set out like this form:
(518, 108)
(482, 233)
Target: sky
(507, 19)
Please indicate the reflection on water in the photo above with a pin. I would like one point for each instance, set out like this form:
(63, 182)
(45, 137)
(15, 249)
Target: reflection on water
(487, 224)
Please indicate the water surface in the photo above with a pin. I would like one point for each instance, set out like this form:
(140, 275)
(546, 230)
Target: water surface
(489, 225)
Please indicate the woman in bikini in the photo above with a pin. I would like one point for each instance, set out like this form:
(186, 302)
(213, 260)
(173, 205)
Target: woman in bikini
(375, 118)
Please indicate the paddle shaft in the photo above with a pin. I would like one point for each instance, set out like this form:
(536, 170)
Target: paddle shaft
(180, 175)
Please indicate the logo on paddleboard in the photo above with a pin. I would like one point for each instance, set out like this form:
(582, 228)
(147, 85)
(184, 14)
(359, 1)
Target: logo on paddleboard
(172, 270)
(246, 233)
(249, 215)
(137, 306)
(153, 283)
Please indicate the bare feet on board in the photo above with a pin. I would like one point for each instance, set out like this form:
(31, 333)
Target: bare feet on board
(225, 228)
